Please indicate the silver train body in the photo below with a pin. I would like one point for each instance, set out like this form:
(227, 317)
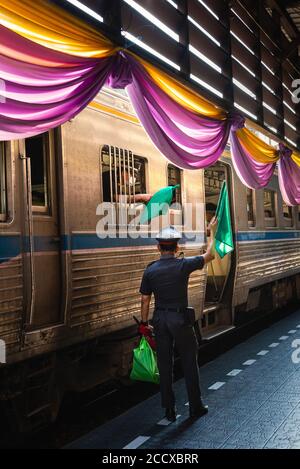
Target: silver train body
(67, 297)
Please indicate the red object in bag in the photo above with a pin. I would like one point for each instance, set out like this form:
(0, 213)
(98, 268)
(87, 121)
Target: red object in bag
(151, 341)
(147, 332)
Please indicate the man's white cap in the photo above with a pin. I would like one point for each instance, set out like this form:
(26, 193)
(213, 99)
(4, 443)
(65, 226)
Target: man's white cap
(168, 235)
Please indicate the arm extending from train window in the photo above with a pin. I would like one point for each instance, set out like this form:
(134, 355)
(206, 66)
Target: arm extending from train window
(137, 198)
(145, 306)
(211, 253)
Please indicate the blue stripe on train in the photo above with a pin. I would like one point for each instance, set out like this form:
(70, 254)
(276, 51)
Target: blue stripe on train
(91, 241)
(267, 235)
(10, 246)
(13, 245)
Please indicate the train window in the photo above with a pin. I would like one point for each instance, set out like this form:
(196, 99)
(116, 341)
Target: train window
(250, 207)
(270, 208)
(3, 203)
(174, 178)
(36, 150)
(213, 180)
(218, 270)
(287, 215)
(123, 175)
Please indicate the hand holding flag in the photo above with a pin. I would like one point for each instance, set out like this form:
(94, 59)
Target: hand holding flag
(212, 228)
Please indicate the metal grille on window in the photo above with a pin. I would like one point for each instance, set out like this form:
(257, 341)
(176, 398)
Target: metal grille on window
(123, 176)
(3, 206)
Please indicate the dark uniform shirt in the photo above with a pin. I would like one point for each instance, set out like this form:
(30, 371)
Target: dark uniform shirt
(168, 279)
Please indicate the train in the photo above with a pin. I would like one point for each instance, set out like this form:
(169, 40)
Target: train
(68, 295)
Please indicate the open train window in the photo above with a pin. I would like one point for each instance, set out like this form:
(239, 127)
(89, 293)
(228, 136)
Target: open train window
(288, 215)
(174, 178)
(123, 175)
(213, 180)
(218, 270)
(37, 151)
(3, 188)
(250, 208)
(270, 208)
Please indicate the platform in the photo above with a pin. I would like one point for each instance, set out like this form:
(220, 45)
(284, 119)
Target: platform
(253, 393)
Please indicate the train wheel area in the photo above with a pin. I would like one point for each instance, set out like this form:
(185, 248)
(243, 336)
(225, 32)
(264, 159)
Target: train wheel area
(252, 392)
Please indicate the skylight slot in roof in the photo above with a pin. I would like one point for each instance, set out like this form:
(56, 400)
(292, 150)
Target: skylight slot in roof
(290, 125)
(174, 4)
(268, 87)
(204, 31)
(209, 9)
(149, 49)
(205, 59)
(271, 128)
(86, 10)
(290, 141)
(289, 107)
(153, 19)
(241, 108)
(244, 66)
(244, 88)
(206, 85)
(244, 23)
(242, 42)
(268, 68)
(271, 109)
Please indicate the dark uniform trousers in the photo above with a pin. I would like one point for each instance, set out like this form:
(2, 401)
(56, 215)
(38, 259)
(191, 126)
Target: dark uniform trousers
(170, 328)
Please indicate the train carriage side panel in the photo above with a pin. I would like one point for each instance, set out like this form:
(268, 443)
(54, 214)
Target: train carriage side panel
(106, 273)
(12, 299)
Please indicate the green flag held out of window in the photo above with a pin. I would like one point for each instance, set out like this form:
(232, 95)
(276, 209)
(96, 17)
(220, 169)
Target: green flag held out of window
(158, 204)
(224, 239)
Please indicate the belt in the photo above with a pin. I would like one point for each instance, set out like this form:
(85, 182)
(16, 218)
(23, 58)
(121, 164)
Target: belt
(170, 309)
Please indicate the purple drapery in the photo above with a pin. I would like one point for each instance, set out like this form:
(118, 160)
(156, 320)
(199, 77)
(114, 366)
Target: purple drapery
(185, 138)
(253, 174)
(54, 87)
(45, 88)
(289, 177)
(36, 98)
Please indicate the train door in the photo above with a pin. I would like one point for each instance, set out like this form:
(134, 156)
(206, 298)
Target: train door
(217, 312)
(42, 232)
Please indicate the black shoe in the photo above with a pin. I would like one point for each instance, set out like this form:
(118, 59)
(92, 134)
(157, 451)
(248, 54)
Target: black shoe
(198, 412)
(171, 414)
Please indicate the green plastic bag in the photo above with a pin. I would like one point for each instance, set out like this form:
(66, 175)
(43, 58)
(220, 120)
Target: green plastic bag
(158, 204)
(144, 363)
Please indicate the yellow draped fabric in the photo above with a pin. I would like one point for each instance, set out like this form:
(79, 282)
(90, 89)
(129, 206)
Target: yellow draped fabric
(296, 158)
(182, 94)
(52, 27)
(258, 149)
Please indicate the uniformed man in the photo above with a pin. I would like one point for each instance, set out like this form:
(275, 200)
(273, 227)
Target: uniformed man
(168, 279)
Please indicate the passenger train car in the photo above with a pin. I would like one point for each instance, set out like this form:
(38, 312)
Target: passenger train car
(67, 296)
